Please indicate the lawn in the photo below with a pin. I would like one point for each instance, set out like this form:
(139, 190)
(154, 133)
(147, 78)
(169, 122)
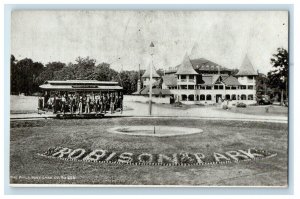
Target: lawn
(28, 138)
(261, 110)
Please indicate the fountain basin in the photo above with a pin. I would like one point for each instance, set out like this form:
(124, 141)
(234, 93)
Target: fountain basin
(156, 131)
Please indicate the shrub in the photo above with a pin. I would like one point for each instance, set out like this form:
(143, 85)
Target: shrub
(241, 105)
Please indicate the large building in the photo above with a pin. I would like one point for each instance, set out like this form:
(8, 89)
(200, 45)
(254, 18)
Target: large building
(200, 81)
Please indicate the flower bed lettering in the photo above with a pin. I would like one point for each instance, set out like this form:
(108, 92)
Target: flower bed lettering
(104, 156)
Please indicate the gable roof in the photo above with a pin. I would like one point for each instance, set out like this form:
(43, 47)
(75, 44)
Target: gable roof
(231, 81)
(155, 91)
(147, 72)
(215, 78)
(170, 80)
(186, 67)
(209, 80)
(246, 68)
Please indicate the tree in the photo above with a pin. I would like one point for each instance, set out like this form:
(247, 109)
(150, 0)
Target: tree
(24, 75)
(103, 72)
(84, 68)
(49, 70)
(13, 75)
(128, 80)
(278, 78)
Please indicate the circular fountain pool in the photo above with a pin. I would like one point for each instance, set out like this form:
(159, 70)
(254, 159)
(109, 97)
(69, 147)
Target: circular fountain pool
(158, 131)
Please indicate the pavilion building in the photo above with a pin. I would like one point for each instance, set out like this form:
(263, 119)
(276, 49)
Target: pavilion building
(200, 81)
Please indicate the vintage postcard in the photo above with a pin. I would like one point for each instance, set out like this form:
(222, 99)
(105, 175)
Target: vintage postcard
(149, 98)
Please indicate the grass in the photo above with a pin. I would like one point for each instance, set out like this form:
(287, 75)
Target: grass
(261, 110)
(31, 137)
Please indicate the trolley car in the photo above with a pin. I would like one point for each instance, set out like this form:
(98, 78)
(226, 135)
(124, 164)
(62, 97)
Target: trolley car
(81, 98)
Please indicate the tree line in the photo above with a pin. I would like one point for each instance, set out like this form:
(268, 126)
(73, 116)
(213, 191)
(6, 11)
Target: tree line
(27, 75)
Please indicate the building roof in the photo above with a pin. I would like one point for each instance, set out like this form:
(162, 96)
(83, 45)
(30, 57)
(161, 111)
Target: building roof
(70, 87)
(200, 65)
(215, 78)
(209, 80)
(80, 85)
(231, 81)
(81, 82)
(246, 68)
(147, 72)
(170, 80)
(186, 67)
(155, 91)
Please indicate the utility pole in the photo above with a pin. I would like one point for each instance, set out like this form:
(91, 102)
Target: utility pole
(150, 83)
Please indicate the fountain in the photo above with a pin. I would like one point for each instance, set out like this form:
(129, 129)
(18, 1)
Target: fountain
(157, 131)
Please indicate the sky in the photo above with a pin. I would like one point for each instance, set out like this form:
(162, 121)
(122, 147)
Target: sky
(122, 38)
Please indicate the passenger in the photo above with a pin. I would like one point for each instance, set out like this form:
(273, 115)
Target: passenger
(96, 105)
(105, 99)
(72, 104)
(49, 103)
(116, 102)
(121, 102)
(87, 104)
(55, 102)
(80, 104)
(63, 103)
(93, 104)
(112, 103)
(102, 103)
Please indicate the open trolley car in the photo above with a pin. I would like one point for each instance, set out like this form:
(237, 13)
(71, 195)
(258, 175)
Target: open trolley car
(81, 98)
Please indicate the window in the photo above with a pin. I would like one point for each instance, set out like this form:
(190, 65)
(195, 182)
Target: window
(191, 76)
(191, 87)
(208, 87)
(197, 97)
(250, 97)
(250, 87)
(233, 97)
(233, 87)
(243, 87)
(221, 87)
(202, 87)
(208, 97)
(243, 97)
(183, 76)
(191, 97)
(183, 87)
(216, 87)
(183, 97)
(250, 77)
(202, 97)
(227, 87)
(227, 97)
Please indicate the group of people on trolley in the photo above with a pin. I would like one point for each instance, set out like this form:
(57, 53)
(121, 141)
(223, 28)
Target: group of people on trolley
(84, 103)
